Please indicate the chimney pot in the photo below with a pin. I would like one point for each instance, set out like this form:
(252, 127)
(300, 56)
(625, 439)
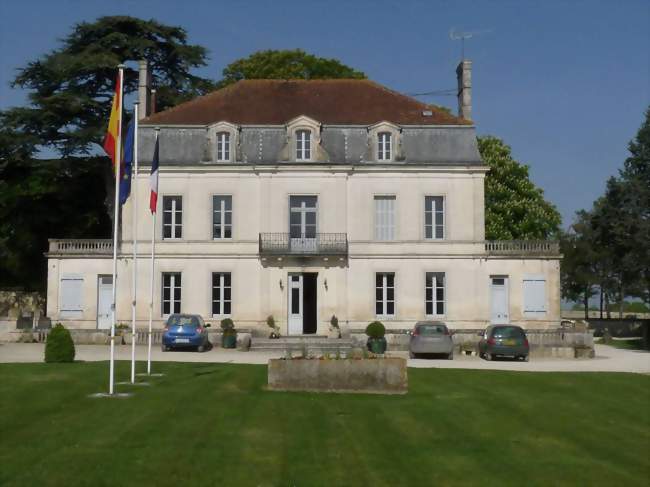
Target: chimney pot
(153, 102)
(144, 87)
(464, 77)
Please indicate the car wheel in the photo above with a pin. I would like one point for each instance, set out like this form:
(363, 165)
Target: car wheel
(450, 356)
(412, 355)
(200, 348)
(525, 358)
(488, 356)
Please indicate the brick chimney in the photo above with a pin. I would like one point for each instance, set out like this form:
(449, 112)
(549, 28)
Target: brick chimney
(464, 77)
(144, 87)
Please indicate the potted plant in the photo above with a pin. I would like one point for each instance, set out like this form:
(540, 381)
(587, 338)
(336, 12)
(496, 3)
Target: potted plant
(275, 332)
(229, 337)
(335, 331)
(376, 339)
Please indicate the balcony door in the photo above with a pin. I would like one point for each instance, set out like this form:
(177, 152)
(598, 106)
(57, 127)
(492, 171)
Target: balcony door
(302, 223)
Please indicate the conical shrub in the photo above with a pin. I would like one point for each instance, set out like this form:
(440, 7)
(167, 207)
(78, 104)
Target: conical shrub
(59, 346)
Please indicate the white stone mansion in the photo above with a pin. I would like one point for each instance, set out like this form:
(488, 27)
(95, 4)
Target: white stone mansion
(307, 199)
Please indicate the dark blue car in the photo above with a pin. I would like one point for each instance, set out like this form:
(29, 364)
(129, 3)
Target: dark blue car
(185, 331)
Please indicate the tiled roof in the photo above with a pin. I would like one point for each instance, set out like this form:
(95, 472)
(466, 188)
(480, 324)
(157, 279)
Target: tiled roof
(275, 102)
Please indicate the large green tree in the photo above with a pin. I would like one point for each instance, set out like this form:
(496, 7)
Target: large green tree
(515, 209)
(286, 64)
(70, 93)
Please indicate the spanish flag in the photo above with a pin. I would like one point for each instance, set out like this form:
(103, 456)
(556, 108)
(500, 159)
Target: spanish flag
(113, 132)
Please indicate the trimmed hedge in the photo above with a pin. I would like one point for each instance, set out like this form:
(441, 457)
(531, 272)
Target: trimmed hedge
(376, 329)
(59, 346)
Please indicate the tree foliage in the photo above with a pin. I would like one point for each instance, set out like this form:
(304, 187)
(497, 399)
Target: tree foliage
(515, 209)
(71, 88)
(286, 64)
(70, 94)
(615, 234)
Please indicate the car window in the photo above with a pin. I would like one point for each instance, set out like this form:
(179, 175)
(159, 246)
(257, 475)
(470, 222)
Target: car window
(507, 332)
(428, 330)
(181, 320)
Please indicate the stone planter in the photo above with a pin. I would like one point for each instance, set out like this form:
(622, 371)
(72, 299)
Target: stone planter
(370, 376)
(229, 341)
(377, 345)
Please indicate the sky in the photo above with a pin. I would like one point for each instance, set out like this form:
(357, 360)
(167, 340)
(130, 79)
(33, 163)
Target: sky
(564, 83)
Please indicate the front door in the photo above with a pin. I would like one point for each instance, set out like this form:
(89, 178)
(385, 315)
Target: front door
(499, 300)
(303, 314)
(295, 304)
(104, 299)
(302, 223)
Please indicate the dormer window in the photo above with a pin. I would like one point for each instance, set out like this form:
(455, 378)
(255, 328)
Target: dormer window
(223, 147)
(384, 146)
(303, 145)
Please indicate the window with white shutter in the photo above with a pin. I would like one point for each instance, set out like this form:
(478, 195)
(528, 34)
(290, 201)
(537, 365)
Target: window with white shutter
(71, 294)
(384, 217)
(534, 295)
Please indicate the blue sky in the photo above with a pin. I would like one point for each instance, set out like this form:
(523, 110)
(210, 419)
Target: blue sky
(565, 83)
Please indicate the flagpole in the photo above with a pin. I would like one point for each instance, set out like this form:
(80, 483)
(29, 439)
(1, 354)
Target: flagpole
(116, 223)
(153, 257)
(134, 201)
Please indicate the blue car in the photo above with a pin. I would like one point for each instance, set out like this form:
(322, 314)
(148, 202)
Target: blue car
(185, 331)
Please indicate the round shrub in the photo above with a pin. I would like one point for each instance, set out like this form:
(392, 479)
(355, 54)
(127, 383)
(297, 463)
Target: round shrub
(59, 346)
(376, 329)
(227, 325)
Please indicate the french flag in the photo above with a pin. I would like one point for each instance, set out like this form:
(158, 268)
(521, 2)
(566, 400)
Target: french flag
(153, 179)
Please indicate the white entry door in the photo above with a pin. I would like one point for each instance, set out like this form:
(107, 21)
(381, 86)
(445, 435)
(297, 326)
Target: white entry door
(104, 299)
(499, 300)
(295, 304)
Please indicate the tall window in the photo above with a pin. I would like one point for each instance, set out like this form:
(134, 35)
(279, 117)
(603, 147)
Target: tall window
(302, 216)
(435, 293)
(434, 217)
(171, 293)
(172, 217)
(223, 147)
(384, 143)
(385, 294)
(303, 145)
(221, 217)
(384, 217)
(221, 293)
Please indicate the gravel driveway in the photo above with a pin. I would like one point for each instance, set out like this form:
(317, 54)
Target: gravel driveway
(608, 359)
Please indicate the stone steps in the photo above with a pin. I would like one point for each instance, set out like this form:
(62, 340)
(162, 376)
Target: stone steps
(310, 343)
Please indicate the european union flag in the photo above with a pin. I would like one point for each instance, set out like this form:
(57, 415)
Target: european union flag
(127, 163)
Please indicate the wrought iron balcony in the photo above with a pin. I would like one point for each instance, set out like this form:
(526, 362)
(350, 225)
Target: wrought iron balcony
(321, 244)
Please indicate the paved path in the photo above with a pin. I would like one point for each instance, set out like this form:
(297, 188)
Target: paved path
(608, 359)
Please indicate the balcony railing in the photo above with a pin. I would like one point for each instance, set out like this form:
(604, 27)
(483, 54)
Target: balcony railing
(81, 246)
(321, 244)
(522, 247)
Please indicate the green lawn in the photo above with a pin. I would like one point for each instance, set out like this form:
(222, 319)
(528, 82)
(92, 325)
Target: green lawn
(214, 424)
(627, 344)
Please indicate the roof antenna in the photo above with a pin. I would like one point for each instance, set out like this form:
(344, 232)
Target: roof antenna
(455, 35)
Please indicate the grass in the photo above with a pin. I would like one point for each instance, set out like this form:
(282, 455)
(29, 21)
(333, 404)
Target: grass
(214, 424)
(627, 344)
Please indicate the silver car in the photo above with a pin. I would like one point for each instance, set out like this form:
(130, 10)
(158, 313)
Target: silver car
(431, 337)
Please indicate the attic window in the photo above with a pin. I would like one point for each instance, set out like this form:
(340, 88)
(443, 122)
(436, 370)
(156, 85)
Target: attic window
(427, 113)
(303, 145)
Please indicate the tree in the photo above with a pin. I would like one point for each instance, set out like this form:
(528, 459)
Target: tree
(286, 64)
(635, 176)
(71, 90)
(72, 87)
(515, 209)
(579, 274)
